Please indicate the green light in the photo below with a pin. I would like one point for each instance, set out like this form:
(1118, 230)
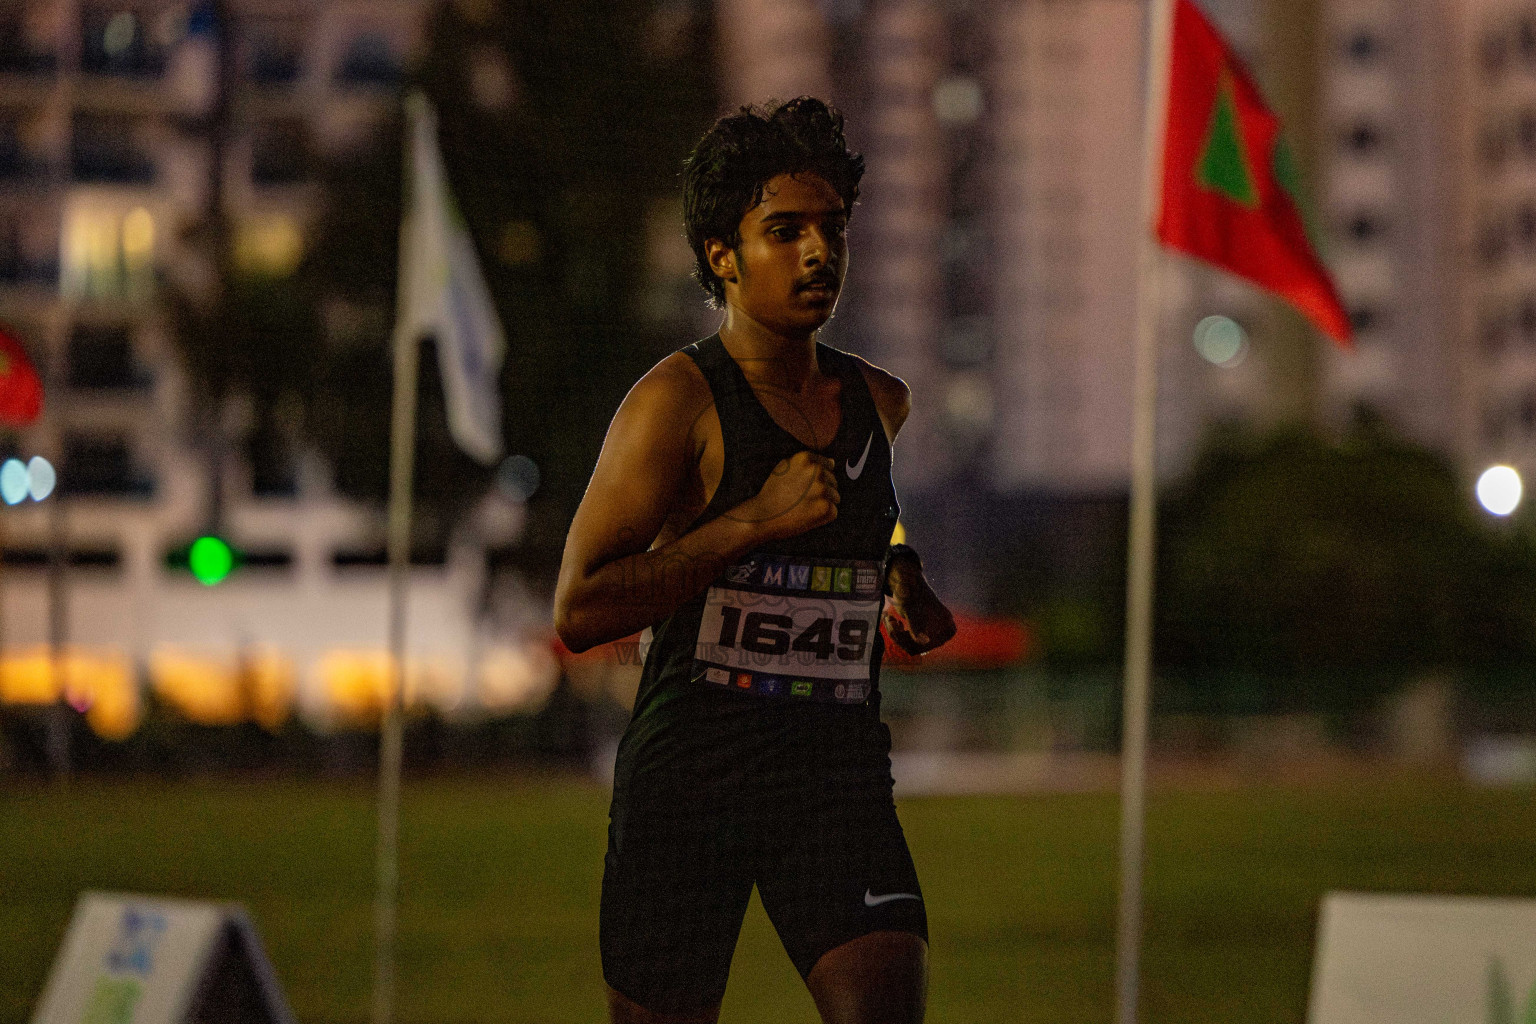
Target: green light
(210, 560)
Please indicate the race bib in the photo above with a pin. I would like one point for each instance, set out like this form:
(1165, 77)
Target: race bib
(789, 627)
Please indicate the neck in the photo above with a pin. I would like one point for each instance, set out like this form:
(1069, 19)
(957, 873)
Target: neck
(787, 361)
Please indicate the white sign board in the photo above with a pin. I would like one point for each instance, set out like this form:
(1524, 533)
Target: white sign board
(147, 960)
(1424, 960)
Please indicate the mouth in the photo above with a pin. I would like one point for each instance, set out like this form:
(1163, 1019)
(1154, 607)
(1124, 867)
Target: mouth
(822, 286)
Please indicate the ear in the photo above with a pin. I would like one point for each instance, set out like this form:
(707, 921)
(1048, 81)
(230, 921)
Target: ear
(722, 259)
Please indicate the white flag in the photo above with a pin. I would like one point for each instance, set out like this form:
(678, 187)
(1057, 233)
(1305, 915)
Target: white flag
(442, 293)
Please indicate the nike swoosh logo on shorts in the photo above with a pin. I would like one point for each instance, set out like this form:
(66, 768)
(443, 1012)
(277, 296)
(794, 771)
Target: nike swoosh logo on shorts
(871, 900)
(855, 470)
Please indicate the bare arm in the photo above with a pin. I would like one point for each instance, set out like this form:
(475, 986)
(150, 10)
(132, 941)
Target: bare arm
(612, 582)
(915, 617)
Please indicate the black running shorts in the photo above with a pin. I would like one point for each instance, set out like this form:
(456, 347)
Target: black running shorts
(802, 809)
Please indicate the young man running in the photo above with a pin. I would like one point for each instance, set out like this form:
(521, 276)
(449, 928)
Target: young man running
(741, 513)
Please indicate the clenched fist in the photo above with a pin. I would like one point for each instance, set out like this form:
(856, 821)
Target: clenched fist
(799, 495)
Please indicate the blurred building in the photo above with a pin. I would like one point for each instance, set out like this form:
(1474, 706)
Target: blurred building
(994, 249)
(113, 146)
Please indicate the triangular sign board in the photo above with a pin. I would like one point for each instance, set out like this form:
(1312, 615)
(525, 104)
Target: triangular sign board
(149, 960)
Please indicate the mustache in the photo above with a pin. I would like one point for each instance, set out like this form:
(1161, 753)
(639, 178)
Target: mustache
(824, 278)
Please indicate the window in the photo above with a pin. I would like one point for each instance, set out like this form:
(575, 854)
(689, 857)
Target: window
(108, 253)
(28, 253)
(118, 41)
(1493, 331)
(274, 470)
(1366, 227)
(102, 465)
(1525, 39)
(967, 341)
(1366, 318)
(370, 61)
(101, 358)
(1525, 133)
(1364, 139)
(279, 153)
(1526, 316)
(273, 54)
(23, 51)
(1492, 242)
(1364, 46)
(106, 149)
(269, 246)
(1525, 226)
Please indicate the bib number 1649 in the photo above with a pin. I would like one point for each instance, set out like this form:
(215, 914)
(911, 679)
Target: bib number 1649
(766, 633)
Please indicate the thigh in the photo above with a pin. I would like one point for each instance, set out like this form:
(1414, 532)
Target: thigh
(676, 881)
(879, 978)
(838, 868)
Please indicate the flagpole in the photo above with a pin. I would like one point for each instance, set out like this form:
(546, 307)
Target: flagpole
(1143, 528)
(391, 732)
(402, 451)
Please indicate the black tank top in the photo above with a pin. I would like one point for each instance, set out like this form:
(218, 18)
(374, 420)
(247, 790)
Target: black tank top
(734, 647)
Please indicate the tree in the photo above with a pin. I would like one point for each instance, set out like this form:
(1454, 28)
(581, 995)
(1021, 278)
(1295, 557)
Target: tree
(557, 153)
(1295, 558)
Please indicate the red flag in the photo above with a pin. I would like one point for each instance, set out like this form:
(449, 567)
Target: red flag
(21, 392)
(1230, 191)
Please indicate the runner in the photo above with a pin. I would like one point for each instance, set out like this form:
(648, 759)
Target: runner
(741, 514)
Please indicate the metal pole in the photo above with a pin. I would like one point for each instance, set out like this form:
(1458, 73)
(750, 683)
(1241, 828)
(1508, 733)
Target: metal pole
(391, 738)
(60, 713)
(1143, 530)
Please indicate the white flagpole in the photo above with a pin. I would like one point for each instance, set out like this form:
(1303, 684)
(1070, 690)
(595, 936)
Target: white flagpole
(391, 732)
(402, 450)
(1143, 527)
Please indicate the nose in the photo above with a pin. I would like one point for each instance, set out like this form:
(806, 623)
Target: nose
(817, 248)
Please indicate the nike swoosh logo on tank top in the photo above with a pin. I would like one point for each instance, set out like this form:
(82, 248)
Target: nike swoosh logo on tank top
(854, 469)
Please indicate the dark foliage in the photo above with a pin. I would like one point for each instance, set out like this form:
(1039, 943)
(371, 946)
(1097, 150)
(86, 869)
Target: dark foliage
(1288, 556)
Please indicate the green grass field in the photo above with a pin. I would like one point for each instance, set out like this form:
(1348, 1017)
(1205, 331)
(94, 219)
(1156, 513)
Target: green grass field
(500, 889)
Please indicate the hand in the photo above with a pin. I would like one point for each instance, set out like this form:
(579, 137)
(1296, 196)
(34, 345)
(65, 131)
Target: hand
(799, 495)
(914, 616)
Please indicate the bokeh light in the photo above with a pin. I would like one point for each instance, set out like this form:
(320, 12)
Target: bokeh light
(41, 477)
(518, 478)
(1499, 490)
(119, 33)
(210, 559)
(1221, 340)
(13, 481)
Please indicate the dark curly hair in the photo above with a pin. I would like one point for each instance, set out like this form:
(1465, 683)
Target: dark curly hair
(724, 176)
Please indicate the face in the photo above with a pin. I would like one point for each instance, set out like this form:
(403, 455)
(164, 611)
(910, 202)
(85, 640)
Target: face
(789, 269)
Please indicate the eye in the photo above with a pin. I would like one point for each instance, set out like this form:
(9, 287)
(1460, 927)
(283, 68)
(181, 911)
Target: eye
(784, 233)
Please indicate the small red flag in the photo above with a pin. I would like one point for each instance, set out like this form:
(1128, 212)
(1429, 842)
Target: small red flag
(1230, 189)
(21, 392)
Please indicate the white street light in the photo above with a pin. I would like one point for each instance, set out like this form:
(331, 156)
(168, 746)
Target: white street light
(1499, 489)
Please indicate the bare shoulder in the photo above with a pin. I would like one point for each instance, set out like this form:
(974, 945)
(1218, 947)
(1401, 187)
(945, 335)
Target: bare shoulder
(673, 384)
(893, 399)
